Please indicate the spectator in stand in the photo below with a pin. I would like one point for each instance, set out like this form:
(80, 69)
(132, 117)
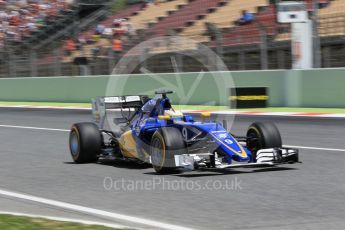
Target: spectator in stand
(117, 47)
(117, 23)
(96, 38)
(100, 29)
(130, 29)
(81, 43)
(20, 17)
(31, 25)
(70, 46)
(119, 27)
(246, 18)
(14, 18)
(2, 40)
(108, 32)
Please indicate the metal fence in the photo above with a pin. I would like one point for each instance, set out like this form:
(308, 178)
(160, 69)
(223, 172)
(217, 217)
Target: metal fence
(273, 51)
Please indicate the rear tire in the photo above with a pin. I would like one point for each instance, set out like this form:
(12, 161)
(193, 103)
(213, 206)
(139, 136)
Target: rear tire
(263, 136)
(165, 144)
(85, 142)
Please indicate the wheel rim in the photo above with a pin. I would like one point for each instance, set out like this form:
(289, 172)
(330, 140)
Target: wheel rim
(254, 144)
(157, 153)
(74, 143)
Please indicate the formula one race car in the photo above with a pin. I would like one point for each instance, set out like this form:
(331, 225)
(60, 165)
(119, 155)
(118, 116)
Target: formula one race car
(150, 130)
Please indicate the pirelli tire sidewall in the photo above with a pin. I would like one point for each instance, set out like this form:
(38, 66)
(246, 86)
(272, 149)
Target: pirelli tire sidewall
(172, 144)
(89, 140)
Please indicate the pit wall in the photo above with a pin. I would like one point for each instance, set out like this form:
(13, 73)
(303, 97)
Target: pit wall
(293, 88)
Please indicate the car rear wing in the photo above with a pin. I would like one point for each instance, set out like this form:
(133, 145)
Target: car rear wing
(124, 102)
(101, 104)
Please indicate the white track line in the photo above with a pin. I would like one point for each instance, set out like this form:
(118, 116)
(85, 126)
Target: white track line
(93, 211)
(33, 128)
(315, 148)
(87, 222)
(66, 130)
(44, 107)
(239, 113)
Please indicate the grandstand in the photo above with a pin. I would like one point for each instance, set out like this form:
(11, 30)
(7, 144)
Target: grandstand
(261, 44)
(223, 17)
(155, 13)
(20, 21)
(186, 16)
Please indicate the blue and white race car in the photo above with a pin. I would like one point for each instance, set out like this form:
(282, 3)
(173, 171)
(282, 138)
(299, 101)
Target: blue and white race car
(150, 130)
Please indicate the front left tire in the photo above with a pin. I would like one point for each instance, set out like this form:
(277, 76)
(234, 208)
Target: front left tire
(166, 143)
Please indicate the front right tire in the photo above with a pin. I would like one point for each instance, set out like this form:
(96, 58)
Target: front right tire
(262, 135)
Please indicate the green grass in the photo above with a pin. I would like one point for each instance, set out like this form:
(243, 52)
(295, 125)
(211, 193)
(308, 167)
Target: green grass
(9, 222)
(193, 107)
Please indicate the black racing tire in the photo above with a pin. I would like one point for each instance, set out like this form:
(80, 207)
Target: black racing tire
(263, 135)
(85, 142)
(166, 142)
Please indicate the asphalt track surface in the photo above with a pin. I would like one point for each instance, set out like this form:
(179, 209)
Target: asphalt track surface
(301, 196)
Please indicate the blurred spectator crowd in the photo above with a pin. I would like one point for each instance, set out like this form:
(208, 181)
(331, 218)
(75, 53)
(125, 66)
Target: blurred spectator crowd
(19, 18)
(119, 31)
(115, 34)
